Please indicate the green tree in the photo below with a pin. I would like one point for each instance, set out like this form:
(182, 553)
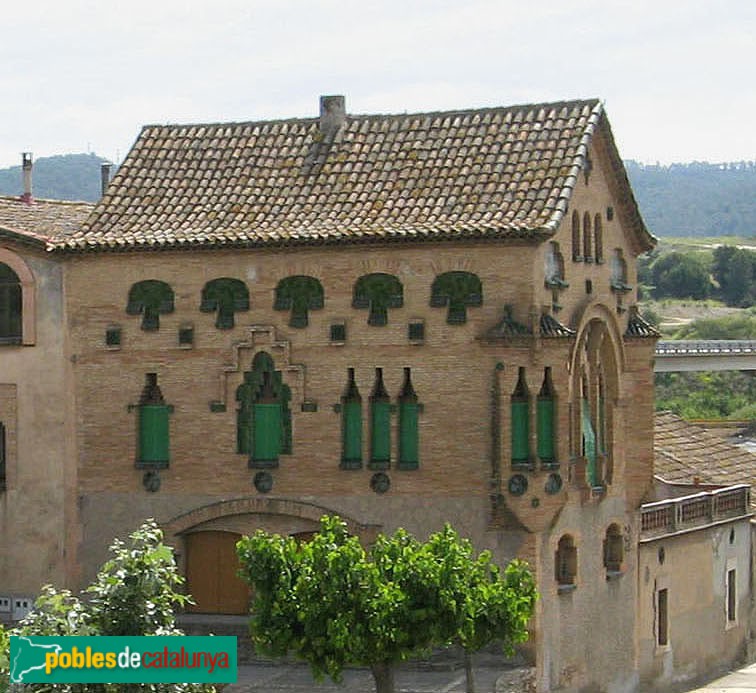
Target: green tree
(681, 275)
(332, 603)
(734, 269)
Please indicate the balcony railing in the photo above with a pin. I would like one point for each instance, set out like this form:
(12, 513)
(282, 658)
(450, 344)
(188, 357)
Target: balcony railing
(698, 510)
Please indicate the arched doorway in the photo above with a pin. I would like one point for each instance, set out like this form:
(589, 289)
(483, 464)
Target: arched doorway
(211, 574)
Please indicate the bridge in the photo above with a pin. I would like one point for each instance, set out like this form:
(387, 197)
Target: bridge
(705, 355)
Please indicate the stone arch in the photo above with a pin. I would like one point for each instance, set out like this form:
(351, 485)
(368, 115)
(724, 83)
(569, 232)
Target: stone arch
(28, 294)
(207, 516)
(596, 364)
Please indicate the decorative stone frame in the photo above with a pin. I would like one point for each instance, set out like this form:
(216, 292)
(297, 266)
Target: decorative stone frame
(28, 295)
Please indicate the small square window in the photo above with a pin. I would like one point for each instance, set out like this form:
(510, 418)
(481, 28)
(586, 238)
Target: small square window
(338, 332)
(609, 213)
(186, 336)
(113, 337)
(416, 331)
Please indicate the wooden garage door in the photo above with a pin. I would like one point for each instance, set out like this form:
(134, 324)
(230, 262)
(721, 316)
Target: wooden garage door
(211, 566)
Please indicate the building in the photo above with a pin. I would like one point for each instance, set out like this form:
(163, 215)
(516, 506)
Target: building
(404, 320)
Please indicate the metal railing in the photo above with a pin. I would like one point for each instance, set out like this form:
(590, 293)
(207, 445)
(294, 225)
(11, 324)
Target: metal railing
(697, 510)
(705, 347)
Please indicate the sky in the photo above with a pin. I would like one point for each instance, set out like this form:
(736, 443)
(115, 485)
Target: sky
(677, 76)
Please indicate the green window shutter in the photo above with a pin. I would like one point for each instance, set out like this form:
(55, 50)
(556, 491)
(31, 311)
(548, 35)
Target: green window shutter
(520, 420)
(589, 442)
(380, 424)
(352, 434)
(545, 408)
(267, 425)
(380, 434)
(545, 423)
(408, 435)
(153, 434)
(351, 425)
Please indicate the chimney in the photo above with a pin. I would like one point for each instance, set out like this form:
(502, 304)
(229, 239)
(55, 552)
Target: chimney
(332, 114)
(104, 176)
(26, 167)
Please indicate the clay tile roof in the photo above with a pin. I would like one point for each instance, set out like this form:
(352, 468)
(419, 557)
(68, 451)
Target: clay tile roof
(41, 222)
(551, 327)
(638, 327)
(684, 451)
(488, 173)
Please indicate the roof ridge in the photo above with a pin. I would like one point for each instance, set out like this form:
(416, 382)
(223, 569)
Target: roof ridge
(44, 200)
(594, 101)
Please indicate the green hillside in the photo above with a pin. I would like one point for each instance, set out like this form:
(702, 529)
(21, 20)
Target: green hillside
(64, 177)
(696, 199)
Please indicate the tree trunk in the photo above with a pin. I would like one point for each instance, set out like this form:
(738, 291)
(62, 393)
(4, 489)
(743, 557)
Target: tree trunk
(469, 673)
(383, 675)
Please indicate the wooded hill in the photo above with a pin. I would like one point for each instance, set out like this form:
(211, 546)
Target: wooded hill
(695, 199)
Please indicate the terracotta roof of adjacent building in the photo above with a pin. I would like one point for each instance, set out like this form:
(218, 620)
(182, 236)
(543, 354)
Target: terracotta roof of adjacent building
(41, 222)
(488, 173)
(684, 452)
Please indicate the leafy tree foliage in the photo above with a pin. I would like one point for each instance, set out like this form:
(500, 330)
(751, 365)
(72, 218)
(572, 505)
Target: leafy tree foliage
(740, 326)
(696, 199)
(333, 603)
(735, 271)
(707, 395)
(135, 593)
(681, 275)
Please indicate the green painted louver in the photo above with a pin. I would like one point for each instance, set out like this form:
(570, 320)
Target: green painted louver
(153, 435)
(226, 296)
(545, 426)
(267, 433)
(300, 294)
(378, 292)
(520, 420)
(589, 443)
(380, 434)
(351, 424)
(352, 433)
(380, 424)
(409, 439)
(545, 412)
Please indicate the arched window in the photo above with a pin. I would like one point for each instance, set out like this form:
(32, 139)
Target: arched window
(458, 290)
(587, 238)
(300, 294)
(577, 255)
(11, 306)
(17, 308)
(598, 238)
(351, 424)
(150, 298)
(614, 549)
(378, 292)
(565, 561)
(520, 420)
(264, 417)
(226, 296)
